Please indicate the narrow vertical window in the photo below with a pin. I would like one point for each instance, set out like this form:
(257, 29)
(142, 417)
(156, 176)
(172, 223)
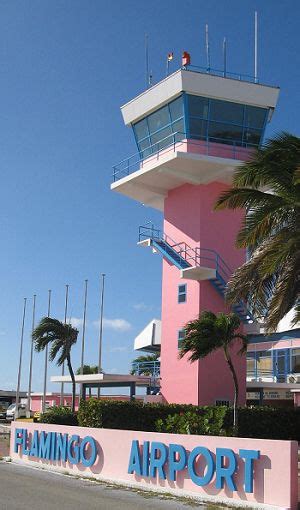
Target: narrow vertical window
(181, 335)
(182, 293)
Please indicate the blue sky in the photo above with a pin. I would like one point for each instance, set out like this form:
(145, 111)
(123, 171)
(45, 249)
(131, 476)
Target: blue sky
(66, 66)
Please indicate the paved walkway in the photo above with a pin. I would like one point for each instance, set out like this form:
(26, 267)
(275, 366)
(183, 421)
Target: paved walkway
(23, 487)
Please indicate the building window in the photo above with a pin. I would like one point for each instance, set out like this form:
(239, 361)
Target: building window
(222, 403)
(295, 361)
(182, 293)
(181, 335)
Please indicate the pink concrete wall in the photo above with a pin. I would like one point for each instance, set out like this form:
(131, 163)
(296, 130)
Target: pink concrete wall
(189, 217)
(275, 472)
(54, 400)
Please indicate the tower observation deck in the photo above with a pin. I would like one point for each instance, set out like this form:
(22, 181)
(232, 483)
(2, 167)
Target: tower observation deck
(192, 130)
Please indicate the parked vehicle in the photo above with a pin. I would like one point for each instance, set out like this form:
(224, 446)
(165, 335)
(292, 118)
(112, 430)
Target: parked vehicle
(10, 413)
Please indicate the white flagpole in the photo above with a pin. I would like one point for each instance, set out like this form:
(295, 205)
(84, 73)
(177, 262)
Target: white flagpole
(83, 327)
(207, 48)
(46, 360)
(101, 328)
(63, 365)
(20, 360)
(31, 359)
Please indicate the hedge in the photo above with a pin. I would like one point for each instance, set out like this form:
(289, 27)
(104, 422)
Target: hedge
(59, 415)
(256, 422)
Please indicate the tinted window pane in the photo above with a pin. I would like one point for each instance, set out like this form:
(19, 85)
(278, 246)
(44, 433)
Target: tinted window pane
(178, 127)
(161, 135)
(224, 111)
(252, 136)
(143, 148)
(255, 117)
(141, 129)
(181, 288)
(159, 119)
(198, 129)
(176, 109)
(225, 132)
(198, 106)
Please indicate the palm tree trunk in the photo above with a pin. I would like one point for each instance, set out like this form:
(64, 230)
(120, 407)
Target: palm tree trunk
(236, 389)
(73, 382)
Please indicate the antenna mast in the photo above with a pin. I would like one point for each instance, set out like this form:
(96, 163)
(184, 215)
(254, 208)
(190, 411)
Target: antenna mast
(255, 47)
(147, 77)
(207, 48)
(224, 56)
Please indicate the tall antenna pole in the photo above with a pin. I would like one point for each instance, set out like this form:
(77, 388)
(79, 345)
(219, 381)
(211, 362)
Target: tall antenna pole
(255, 46)
(83, 327)
(30, 364)
(46, 360)
(207, 48)
(224, 56)
(20, 360)
(147, 61)
(63, 365)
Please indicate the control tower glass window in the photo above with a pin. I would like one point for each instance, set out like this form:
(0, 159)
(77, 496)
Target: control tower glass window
(200, 118)
(224, 121)
(161, 128)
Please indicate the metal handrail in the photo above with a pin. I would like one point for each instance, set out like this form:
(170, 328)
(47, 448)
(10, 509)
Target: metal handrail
(186, 252)
(223, 74)
(171, 143)
(142, 366)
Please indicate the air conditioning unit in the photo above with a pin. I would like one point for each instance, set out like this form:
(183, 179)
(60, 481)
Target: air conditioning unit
(293, 378)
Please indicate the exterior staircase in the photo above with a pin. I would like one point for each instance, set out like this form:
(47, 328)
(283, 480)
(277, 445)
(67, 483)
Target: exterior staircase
(195, 264)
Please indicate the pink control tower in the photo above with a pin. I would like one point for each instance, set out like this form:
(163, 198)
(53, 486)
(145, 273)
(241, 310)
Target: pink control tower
(193, 129)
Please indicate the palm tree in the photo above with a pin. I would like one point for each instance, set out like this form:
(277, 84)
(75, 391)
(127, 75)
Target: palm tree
(88, 369)
(211, 332)
(268, 189)
(61, 337)
(146, 369)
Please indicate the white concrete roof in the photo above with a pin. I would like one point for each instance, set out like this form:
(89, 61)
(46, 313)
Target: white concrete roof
(272, 385)
(150, 337)
(103, 378)
(199, 84)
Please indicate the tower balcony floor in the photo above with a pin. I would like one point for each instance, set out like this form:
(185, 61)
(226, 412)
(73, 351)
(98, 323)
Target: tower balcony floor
(184, 162)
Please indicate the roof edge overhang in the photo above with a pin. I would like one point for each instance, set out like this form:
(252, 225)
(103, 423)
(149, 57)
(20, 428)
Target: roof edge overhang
(200, 84)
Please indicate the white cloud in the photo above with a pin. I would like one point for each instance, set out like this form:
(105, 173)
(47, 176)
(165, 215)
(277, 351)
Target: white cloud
(142, 307)
(120, 348)
(76, 322)
(115, 324)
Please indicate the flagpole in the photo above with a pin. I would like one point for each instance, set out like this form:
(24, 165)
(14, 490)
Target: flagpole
(101, 327)
(83, 328)
(46, 360)
(31, 359)
(20, 361)
(63, 365)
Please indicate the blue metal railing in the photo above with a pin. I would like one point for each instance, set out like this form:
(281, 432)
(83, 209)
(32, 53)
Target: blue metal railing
(223, 74)
(231, 148)
(184, 256)
(193, 256)
(151, 368)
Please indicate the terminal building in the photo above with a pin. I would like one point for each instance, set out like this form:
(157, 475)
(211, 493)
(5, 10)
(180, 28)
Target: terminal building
(192, 130)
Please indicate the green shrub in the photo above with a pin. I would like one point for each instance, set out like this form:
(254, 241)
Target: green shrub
(201, 421)
(59, 415)
(256, 422)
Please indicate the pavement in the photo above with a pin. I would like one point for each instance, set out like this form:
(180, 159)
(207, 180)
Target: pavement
(24, 487)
